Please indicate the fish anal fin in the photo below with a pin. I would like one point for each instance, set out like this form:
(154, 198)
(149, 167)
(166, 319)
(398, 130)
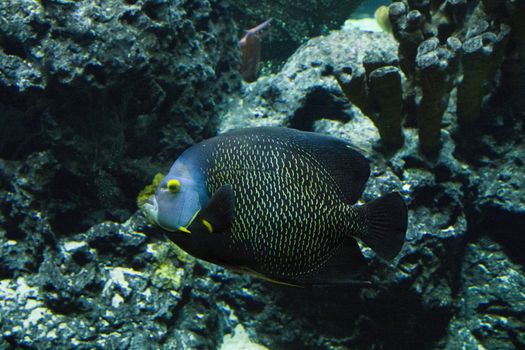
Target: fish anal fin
(345, 267)
(251, 272)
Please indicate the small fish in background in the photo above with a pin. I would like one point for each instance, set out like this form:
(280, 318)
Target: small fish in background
(250, 46)
(277, 203)
(382, 19)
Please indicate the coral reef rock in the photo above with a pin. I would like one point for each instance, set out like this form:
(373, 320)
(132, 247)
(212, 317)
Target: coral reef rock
(293, 21)
(72, 277)
(459, 46)
(111, 89)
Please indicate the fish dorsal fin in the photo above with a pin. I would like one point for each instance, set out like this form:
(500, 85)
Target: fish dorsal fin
(349, 168)
(217, 216)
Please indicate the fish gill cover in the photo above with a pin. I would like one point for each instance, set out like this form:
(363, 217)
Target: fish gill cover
(96, 97)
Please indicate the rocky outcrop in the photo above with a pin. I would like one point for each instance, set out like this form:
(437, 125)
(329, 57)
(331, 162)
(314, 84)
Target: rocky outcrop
(293, 22)
(121, 285)
(113, 90)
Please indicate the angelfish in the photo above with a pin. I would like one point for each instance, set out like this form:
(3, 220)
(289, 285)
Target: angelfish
(250, 46)
(277, 203)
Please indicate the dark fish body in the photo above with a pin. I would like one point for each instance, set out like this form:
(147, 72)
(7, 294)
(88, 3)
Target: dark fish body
(279, 204)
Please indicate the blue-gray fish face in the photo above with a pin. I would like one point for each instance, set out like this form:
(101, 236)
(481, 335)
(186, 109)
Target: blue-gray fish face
(178, 199)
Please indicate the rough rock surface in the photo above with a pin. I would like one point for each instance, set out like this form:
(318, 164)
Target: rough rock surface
(113, 89)
(293, 21)
(458, 280)
(305, 90)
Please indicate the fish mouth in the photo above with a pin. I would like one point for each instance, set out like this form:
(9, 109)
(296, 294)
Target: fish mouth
(151, 209)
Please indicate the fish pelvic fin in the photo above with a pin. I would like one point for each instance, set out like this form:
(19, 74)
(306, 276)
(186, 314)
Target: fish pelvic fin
(386, 219)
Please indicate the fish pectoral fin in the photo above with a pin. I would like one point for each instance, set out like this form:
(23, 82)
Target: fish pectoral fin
(217, 216)
(345, 267)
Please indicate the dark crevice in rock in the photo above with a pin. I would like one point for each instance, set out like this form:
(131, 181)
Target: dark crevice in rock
(154, 10)
(130, 17)
(14, 232)
(68, 218)
(14, 344)
(497, 308)
(248, 303)
(5, 272)
(67, 222)
(318, 104)
(443, 173)
(94, 287)
(97, 72)
(81, 257)
(106, 246)
(200, 270)
(506, 228)
(412, 162)
(13, 47)
(178, 311)
(22, 129)
(407, 328)
(432, 197)
(63, 306)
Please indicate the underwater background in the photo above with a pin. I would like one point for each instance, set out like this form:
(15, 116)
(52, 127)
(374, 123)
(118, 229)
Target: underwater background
(99, 96)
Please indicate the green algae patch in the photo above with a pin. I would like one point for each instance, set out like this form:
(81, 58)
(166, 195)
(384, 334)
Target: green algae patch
(172, 265)
(149, 190)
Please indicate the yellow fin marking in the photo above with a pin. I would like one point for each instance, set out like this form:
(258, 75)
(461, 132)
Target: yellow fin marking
(183, 229)
(208, 225)
(192, 218)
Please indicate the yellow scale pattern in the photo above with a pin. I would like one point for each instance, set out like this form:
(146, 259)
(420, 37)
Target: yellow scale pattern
(289, 212)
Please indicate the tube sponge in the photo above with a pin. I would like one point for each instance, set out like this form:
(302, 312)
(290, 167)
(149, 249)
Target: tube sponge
(482, 55)
(376, 90)
(352, 81)
(386, 92)
(436, 67)
(516, 9)
(407, 27)
(382, 19)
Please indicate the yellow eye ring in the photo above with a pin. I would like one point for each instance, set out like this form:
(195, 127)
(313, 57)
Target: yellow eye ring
(173, 186)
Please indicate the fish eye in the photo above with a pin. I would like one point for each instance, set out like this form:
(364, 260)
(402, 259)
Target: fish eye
(173, 186)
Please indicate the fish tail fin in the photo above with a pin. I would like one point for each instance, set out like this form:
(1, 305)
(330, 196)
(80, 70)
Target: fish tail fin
(386, 219)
